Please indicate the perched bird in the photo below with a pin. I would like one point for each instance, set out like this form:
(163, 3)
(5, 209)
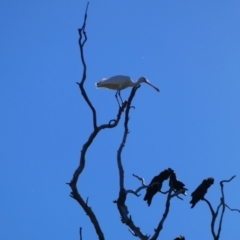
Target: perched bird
(174, 183)
(201, 190)
(179, 238)
(121, 82)
(154, 188)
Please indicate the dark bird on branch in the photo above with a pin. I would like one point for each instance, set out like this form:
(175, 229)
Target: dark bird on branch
(201, 190)
(180, 238)
(174, 183)
(156, 185)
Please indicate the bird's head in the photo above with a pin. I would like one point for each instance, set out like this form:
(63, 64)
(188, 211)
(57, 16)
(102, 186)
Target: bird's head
(210, 180)
(144, 80)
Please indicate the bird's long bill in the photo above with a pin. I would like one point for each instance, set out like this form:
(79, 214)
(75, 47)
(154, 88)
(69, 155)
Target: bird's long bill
(153, 86)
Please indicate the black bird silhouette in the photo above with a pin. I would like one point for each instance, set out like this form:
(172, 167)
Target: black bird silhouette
(201, 190)
(179, 238)
(174, 183)
(154, 188)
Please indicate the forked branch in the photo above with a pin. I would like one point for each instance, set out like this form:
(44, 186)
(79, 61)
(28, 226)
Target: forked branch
(122, 207)
(82, 40)
(96, 129)
(223, 205)
(144, 186)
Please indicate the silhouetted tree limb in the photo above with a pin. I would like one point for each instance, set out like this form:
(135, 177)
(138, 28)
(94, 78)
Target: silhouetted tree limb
(96, 129)
(222, 200)
(216, 236)
(122, 208)
(82, 40)
(165, 214)
(126, 131)
(123, 195)
(141, 179)
(160, 225)
(144, 186)
(232, 209)
(80, 232)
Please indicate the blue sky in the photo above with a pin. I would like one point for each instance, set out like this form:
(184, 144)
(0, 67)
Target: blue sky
(189, 49)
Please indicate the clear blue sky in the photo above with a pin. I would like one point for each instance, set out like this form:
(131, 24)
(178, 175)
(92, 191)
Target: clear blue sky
(189, 49)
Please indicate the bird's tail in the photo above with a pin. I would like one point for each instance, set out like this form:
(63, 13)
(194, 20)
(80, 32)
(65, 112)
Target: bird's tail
(193, 204)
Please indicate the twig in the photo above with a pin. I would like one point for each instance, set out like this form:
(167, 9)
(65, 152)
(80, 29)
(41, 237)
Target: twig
(232, 209)
(221, 183)
(141, 179)
(144, 186)
(135, 192)
(80, 232)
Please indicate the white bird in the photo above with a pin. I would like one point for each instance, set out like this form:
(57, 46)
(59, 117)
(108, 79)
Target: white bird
(121, 82)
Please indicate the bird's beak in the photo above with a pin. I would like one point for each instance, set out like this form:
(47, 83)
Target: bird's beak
(153, 86)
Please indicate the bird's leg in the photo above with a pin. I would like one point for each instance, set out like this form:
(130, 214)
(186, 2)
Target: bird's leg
(119, 93)
(116, 95)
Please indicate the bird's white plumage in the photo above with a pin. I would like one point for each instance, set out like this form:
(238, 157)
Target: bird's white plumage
(121, 82)
(118, 82)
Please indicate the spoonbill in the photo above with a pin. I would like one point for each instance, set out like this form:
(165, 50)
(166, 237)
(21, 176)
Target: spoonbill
(201, 190)
(121, 82)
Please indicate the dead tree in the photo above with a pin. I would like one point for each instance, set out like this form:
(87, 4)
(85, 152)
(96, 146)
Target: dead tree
(175, 187)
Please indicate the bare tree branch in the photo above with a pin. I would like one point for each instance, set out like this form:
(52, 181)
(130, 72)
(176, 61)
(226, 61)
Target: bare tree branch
(175, 194)
(144, 186)
(213, 217)
(218, 207)
(232, 209)
(82, 40)
(135, 192)
(126, 131)
(222, 204)
(170, 195)
(210, 206)
(96, 129)
(165, 214)
(122, 208)
(141, 179)
(160, 225)
(80, 232)
(221, 183)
